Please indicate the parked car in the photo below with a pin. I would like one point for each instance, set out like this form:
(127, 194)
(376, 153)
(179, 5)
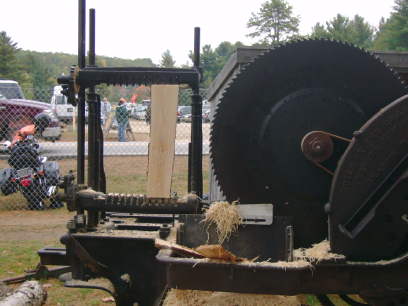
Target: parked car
(139, 112)
(16, 112)
(10, 89)
(184, 114)
(146, 102)
(206, 113)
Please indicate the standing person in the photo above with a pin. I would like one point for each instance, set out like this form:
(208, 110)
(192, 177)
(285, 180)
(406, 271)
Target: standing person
(122, 117)
(105, 110)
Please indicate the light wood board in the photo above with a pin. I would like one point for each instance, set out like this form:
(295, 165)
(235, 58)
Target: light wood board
(162, 140)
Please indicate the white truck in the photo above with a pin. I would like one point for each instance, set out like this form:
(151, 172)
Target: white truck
(60, 105)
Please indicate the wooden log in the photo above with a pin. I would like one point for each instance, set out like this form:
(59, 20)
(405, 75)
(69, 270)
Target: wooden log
(162, 140)
(4, 290)
(29, 293)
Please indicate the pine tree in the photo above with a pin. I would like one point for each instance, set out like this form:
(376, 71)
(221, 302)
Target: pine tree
(273, 23)
(9, 67)
(393, 33)
(167, 60)
(356, 31)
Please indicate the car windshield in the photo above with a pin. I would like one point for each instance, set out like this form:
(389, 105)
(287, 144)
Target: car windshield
(60, 100)
(11, 91)
(140, 108)
(2, 96)
(185, 110)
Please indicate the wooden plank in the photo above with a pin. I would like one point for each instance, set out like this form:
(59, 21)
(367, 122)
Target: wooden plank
(162, 140)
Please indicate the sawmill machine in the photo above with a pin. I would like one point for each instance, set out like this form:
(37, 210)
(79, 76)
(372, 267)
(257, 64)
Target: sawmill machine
(310, 138)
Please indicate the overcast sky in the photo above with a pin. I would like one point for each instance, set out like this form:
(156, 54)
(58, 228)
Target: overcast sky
(140, 29)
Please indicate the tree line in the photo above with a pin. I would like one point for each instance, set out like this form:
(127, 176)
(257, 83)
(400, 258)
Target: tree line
(275, 23)
(271, 25)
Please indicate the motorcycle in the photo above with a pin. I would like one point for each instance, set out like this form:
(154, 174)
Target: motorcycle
(36, 178)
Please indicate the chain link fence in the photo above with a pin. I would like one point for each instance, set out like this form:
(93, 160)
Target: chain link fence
(31, 163)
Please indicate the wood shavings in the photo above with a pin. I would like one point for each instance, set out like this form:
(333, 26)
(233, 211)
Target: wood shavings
(299, 264)
(226, 218)
(216, 251)
(197, 298)
(318, 252)
(212, 251)
(177, 249)
(283, 264)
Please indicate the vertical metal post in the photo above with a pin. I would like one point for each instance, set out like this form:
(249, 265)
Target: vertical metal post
(196, 125)
(93, 125)
(91, 52)
(81, 95)
(189, 169)
(92, 101)
(197, 47)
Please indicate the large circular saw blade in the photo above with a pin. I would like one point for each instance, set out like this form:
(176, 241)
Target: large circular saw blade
(273, 102)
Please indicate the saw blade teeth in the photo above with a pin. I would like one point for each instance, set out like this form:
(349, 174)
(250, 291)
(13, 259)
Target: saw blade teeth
(243, 91)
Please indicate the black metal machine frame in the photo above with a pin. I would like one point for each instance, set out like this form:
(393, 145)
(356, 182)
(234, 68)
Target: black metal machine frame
(112, 236)
(85, 77)
(79, 87)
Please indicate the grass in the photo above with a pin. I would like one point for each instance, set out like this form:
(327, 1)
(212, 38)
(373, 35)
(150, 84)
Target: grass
(16, 257)
(124, 174)
(25, 232)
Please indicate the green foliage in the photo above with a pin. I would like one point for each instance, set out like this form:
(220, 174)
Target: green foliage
(209, 65)
(8, 60)
(273, 23)
(167, 60)
(41, 76)
(37, 72)
(393, 33)
(356, 31)
(10, 68)
(212, 61)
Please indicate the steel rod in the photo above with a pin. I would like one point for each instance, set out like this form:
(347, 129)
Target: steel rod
(196, 126)
(91, 53)
(97, 169)
(93, 125)
(81, 95)
(81, 32)
(196, 47)
(93, 160)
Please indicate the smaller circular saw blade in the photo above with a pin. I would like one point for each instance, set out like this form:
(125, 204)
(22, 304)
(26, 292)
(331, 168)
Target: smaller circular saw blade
(368, 196)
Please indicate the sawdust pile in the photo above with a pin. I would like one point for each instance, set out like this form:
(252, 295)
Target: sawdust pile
(177, 297)
(226, 218)
(318, 252)
(283, 264)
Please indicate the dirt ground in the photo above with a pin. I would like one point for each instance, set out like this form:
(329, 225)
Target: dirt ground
(33, 225)
(140, 130)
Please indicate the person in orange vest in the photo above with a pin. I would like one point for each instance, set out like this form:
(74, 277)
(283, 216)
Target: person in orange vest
(40, 122)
